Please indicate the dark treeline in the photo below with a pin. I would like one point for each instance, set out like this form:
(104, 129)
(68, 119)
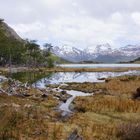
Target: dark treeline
(23, 53)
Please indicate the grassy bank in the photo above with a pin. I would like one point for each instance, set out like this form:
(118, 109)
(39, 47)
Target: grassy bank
(60, 69)
(111, 114)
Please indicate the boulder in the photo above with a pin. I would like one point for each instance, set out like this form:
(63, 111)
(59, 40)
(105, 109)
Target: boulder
(136, 95)
(64, 92)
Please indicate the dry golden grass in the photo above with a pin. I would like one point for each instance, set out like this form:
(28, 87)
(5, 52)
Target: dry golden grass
(60, 69)
(97, 117)
(107, 103)
(22, 118)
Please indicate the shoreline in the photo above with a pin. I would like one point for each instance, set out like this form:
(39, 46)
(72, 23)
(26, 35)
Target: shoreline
(4, 70)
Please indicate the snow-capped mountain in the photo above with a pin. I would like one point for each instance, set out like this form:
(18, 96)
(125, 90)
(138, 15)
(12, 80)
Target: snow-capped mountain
(131, 50)
(68, 53)
(101, 53)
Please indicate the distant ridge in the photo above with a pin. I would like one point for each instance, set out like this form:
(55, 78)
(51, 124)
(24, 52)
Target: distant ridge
(100, 53)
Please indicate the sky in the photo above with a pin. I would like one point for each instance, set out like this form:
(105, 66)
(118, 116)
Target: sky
(78, 23)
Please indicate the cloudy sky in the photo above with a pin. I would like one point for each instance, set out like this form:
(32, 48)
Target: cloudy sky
(79, 23)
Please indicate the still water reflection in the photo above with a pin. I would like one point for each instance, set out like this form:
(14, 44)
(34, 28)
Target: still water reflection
(68, 77)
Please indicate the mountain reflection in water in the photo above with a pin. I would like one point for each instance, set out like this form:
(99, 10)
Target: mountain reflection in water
(68, 77)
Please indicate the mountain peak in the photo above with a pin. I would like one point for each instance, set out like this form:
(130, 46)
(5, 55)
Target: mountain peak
(104, 46)
(101, 53)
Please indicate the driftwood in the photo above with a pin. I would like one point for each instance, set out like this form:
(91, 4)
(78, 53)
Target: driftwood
(2, 91)
(74, 136)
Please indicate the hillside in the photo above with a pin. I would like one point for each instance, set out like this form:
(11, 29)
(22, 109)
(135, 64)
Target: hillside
(136, 60)
(58, 60)
(16, 51)
(8, 32)
(11, 45)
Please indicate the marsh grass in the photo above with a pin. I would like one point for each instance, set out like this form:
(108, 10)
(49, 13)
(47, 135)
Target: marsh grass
(103, 115)
(107, 103)
(25, 118)
(109, 115)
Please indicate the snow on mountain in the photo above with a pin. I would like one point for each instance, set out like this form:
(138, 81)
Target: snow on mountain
(102, 53)
(131, 50)
(68, 53)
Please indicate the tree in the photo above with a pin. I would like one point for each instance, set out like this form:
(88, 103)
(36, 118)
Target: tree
(33, 53)
(48, 55)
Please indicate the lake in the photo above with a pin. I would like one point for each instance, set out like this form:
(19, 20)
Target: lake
(99, 65)
(41, 80)
(79, 77)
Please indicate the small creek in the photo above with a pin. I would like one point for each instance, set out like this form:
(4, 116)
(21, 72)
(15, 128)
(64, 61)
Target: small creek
(65, 107)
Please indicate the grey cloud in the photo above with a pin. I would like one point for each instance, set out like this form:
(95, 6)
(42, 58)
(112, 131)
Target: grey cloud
(76, 21)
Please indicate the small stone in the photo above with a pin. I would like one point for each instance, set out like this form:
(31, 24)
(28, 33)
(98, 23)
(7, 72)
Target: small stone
(63, 92)
(44, 96)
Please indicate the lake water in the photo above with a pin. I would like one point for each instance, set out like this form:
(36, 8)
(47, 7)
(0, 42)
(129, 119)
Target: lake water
(99, 65)
(41, 80)
(80, 77)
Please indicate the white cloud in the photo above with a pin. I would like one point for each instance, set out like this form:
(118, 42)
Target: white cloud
(32, 30)
(87, 30)
(136, 17)
(80, 22)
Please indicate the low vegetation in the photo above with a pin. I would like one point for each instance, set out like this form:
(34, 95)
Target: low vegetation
(111, 114)
(103, 115)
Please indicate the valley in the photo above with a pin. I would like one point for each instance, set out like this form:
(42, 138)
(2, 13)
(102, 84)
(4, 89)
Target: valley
(66, 93)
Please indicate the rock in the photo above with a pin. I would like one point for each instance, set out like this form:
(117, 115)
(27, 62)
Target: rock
(25, 94)
(44, 95)
(63, 92)
(107, 80)
(138, 90)
(136, 95)
(101, 78)
(2, 91)
(63, 100)
(2, 79)
(74, 136)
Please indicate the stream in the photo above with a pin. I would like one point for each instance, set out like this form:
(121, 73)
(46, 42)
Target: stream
(65, 107)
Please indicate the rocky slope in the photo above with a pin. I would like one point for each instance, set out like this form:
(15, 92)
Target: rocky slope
(8, 32)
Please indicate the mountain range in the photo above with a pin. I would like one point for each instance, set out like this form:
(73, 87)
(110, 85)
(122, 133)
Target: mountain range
(100, 53)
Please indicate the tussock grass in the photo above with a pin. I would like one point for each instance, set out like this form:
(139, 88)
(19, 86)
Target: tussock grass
(105, 116)
(107, 103)
(100, 116)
